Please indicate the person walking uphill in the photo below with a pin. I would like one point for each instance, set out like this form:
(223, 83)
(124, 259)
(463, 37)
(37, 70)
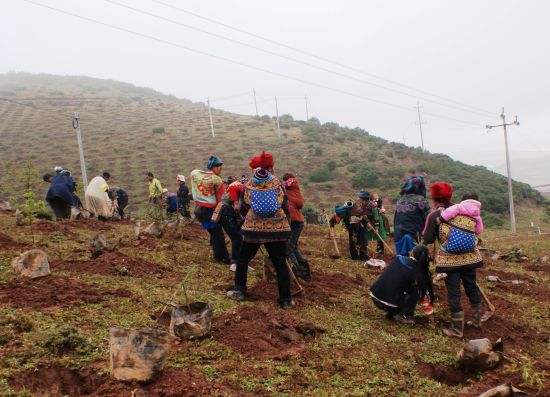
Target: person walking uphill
(266, 223)
(457, 255)
(295, 204)
(410, 214)
(208, 188)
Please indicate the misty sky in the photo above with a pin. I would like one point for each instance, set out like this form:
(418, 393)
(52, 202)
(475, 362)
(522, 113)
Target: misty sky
(481, 54)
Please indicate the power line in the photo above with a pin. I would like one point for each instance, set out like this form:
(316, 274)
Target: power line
(303, 52)
(311, 65)
(204, 53)
(231, 96)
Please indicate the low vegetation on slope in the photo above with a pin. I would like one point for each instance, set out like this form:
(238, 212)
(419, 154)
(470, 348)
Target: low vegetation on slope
(129, 130)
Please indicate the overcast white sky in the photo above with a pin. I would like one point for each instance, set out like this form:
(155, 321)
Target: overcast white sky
(482, 54)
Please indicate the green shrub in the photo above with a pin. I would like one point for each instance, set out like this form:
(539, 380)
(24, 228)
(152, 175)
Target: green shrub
(320, 174)
(366, 178)
(492, 220)
(158, 130)
(331, 165)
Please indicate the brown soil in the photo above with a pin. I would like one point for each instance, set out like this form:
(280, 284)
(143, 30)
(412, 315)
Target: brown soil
(193, 231)
(113, 263)
(90, 224)
(322, 288)
(7, 242)
(538, 267)
(505, 276)
(449, 375)
(51, 227)
(53, 292)
(144, 242)
(263, 333)
(59, 382)
(492, 379)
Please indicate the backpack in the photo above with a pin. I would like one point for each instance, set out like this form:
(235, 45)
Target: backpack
(265, 203)
(457, 235)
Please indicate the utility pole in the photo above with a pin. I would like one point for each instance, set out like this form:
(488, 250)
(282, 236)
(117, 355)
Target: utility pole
(510, 193)
(255, 102)
(420, 122)
(307, 111)
(76, 126)
(210, 116)
(278, 125)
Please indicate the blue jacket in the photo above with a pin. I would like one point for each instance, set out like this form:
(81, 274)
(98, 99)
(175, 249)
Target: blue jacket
(62, 187)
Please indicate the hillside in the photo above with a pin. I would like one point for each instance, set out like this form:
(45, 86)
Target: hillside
(118, 120)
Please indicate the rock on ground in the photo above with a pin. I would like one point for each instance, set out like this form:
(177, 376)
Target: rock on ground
(32, 264)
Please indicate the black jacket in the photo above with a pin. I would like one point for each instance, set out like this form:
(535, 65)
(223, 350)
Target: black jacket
(183, 193)
(396, 280)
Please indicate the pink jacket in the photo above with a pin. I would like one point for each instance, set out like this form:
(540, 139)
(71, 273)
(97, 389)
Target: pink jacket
(471, 208)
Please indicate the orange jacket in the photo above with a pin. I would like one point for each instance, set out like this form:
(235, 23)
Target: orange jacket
(295, 200)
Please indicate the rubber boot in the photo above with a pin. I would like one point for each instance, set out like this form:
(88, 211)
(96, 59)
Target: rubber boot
(456, 330)
(476, 320)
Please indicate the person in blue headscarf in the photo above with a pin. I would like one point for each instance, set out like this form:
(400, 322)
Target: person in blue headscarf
(410, 214)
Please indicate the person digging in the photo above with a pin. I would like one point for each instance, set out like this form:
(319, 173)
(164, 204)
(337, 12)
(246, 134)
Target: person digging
(351, 213)
(403, 284)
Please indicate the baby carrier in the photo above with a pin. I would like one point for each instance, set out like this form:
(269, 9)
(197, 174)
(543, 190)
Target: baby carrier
(457, 235)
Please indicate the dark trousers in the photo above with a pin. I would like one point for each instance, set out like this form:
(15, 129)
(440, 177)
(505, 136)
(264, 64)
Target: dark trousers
(380, 247)
(407, 308)
(452, 282)
(217, 241)
(277, 254)
(292, 250)
(60, 208)
(184, 210)
(357, 236)
(231, 228)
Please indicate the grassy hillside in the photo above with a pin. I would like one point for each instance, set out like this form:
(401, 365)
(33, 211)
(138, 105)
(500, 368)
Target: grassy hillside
(129, 130)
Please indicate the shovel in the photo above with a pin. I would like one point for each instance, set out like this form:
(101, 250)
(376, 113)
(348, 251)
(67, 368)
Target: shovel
(333, 237)
(488, 314)
(380, 238)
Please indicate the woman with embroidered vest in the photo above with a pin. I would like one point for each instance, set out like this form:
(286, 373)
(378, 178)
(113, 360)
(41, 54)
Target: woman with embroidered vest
(405, 281)
(266, 222)
(207, 188)
(229, 216)
(458, 262)
(410, 214)
(295, 204)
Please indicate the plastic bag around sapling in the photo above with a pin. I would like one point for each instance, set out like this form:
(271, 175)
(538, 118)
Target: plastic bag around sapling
(191, 321)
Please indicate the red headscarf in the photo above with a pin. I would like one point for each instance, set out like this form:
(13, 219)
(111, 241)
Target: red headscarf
(264, 160)
(441, 191)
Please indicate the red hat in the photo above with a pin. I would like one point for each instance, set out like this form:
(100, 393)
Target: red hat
(441, 191)
(264, 160)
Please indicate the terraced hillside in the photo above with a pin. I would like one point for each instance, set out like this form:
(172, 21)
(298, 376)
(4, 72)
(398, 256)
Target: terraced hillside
(129, 130)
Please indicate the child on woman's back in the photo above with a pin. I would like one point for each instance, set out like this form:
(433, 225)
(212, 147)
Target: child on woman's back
(469, 206)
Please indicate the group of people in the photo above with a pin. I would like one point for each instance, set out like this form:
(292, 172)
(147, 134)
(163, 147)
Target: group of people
(100, 200)
(453, 230)
(254, 210)
(260, 209)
